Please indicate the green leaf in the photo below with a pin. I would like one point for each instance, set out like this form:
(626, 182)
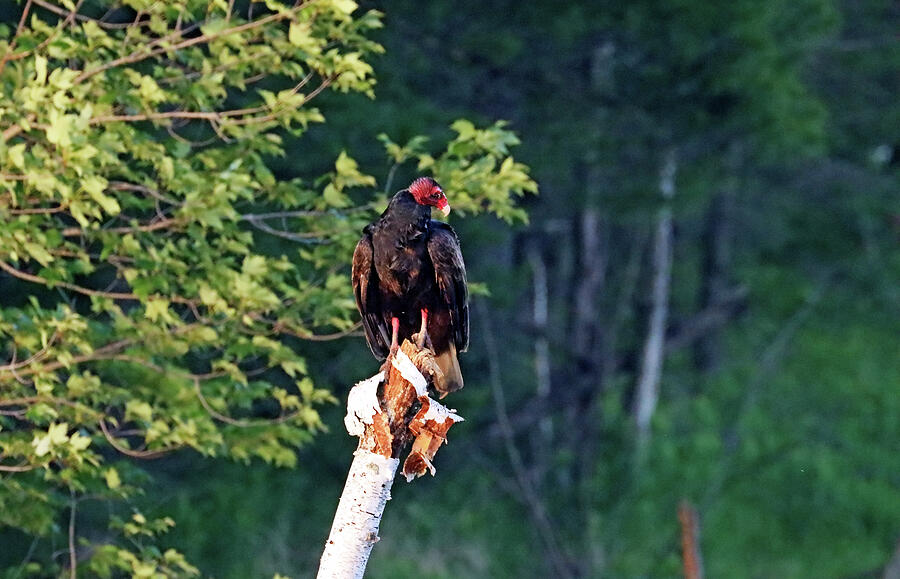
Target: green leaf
(345, 6)
(16, 155)
(333, 197)
(254, 266)
(138, 410)
(40, 70)
(95, 186)
(157, 309)
(300, 35)
(59, 129)
(38, 252)
(112, 478)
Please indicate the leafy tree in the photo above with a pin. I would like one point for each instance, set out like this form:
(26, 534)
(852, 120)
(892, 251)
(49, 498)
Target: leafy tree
(148, 299)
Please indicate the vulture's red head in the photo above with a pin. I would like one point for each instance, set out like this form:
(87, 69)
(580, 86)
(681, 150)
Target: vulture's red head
(426, 191)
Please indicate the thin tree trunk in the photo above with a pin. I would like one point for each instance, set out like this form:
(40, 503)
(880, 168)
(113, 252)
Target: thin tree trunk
(690, 541)
(588, 283)
(716, 267)
(355, 528)
(647, 393)
(542, 369)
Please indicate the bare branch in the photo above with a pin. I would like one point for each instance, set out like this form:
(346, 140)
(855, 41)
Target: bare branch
(38, 210)
(123, 186)
(298, 214)
(156, 225)
(24, 467)
(82, 18)
(33, 358)
(298, 237)
(143, 454)
(280, 328)
(80, 289)
(686, 332)
(14, 130)
(234, 421)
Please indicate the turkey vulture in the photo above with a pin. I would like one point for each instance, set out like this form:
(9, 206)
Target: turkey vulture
(409, 276)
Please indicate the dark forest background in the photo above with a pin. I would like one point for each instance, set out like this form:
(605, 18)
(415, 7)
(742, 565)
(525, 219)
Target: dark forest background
(718, 184)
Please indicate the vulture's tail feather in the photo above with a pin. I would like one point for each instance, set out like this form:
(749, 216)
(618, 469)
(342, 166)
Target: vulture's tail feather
(449, 366)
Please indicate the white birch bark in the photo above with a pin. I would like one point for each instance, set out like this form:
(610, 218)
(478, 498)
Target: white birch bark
(647, 394)
(355, 528)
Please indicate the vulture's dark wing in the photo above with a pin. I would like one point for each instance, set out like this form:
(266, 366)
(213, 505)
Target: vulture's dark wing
(450, 271)
(365, 289)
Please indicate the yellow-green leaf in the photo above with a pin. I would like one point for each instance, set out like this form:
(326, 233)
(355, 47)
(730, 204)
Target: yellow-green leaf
(113, 480)
(16, 155)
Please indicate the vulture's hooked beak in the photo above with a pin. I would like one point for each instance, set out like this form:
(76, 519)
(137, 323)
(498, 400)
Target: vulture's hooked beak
(445, 209)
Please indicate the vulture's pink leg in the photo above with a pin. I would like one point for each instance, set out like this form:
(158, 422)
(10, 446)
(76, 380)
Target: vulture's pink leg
(395, 330)
(420, 341)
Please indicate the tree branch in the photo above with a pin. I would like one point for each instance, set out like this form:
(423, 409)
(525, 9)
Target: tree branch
(686, 332)
(82, 18)
(234, 421)
(155, 226)
(83, 290)
(298, 237)
(204, 38)
(70, 17)
(19, 468)
(142, 454)
(10, 55)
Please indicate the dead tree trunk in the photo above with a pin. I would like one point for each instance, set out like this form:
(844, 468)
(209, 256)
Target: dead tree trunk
(647, 393)
(387, 413)
(690, 540)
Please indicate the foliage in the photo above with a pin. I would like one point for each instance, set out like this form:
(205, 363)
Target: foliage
(782, 118)
(144, 306)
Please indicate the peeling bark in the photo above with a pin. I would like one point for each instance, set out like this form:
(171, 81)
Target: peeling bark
(388, 412)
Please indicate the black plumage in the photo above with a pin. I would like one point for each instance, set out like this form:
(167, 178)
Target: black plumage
(405, 263)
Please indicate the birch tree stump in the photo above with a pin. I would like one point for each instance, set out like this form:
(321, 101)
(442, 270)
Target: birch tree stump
(389, 412)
